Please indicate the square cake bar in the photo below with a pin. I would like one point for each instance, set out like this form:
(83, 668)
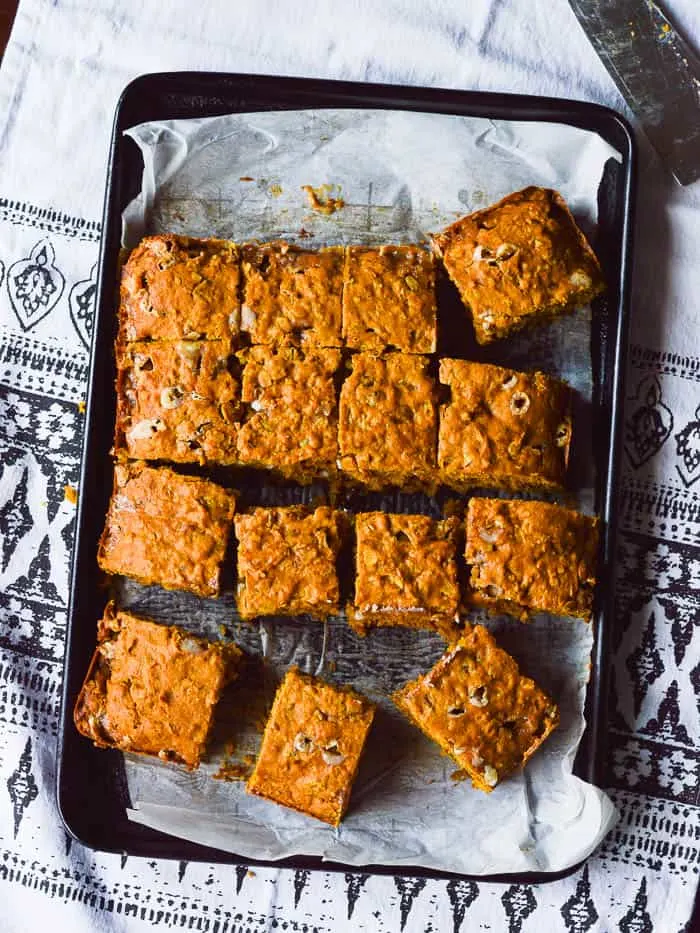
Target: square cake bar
(152, 688)
(528, 556)
(166, 528)
(311, 747)
(478, 707)
(181, 288)
(292, 296)
(179, 401)
(287, 561)
(406, 573)
(503, 428)
(519, 262)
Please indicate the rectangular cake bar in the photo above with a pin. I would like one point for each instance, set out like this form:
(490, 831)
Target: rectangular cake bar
(291, 420)
(311, 747)
(388, 422)
(389, 299)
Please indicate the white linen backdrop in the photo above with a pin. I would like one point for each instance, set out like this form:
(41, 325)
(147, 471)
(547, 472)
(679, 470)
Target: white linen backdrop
(61, 76)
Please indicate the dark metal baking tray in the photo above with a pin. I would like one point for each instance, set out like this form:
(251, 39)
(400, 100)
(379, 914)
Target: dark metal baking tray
(91, 787)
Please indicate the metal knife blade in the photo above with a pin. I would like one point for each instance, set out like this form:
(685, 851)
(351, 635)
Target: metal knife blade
(656, 72)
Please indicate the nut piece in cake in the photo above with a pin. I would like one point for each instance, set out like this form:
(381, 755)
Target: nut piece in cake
(152, 688)
(291, 425)
(388, 422)
(166, 528)
(519, 262)
(528, 556)
(478, 707)
(180, 288)
(406, 573)
(503, 428)
(311, 747)
(389, 299)
(292, 296)
(287, 561)
(179, 401)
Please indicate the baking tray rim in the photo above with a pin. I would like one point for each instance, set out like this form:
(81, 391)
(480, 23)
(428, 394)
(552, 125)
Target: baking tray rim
(229, 93)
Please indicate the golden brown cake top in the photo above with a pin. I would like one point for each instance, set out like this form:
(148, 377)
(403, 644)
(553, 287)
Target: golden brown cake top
(166, 528)
(287, 561)
(292, 295)
(405, 563)
(292, 417)
(312, 746)
(175, 288)
(152, 688)
(518, 261)
(179, 401)
(389, 299)
(480, 709)
(388, 422)
(502, 427)
(536, 555)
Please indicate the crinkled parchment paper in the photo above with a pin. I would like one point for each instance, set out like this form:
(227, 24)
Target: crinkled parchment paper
(401, 175)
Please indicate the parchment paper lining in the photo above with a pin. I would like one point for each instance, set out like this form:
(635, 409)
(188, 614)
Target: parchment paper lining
(401, 176)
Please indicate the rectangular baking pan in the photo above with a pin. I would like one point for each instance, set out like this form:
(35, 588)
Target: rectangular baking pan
(91, 787)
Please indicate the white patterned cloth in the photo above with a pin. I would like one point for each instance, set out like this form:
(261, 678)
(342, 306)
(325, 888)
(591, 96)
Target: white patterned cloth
(62, 73)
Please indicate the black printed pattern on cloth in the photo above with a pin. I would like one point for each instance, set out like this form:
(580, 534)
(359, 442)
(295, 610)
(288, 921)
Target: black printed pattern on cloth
(35, 285)
(663, 411)
(637, 920)
(519, 902)
(301, 879)
(637, 763)
(654, 835)
(659, 510)
(649, 423)
(688, 450)
(579, 911)
(82, 306)
(48, 275)
(39, 456)
(409, 889)
(462, 894)
(30, 693)
(22, 786)
(23, 214)
(354, 884)
(644, 664)
(657, 625)
(31, 365)
(657, 616)
(241, 874)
